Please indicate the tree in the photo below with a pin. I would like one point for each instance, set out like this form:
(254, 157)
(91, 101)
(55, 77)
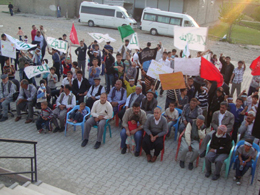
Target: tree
(231, 13)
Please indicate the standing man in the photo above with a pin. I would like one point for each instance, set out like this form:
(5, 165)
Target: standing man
(56, 61)
(123, 50)
(58, 11)
(81, 53)
(39, 38)
(33, 32)
(101, 111)
(227, 68)
(237, 78)
(10, 6)
(109, 70)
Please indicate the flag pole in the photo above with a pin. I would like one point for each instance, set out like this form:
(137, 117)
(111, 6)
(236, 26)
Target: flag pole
(176, 96)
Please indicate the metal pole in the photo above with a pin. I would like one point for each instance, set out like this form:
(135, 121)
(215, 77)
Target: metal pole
(35, 162)
(31, 169)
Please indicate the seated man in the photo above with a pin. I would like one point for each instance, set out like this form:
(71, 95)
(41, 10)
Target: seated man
(190, 111)
(191, 140)
(80, 87)
(27, 97)
(246, 128)
(7, 89)
(135, 110)
(117, 96)
(220, 117)
(220, 147)
(101, 111)
(155, 128)
(149, 103)
(137, 96)
(66, 100)
(94, 92)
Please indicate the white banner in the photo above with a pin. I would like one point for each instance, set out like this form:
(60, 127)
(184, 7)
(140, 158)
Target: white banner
(19, 44)
(194, 36)
(188, 66)
(156, 68)
(8, 49)
(57, 44)
(99, 37)
(134, 42)
(32, 71)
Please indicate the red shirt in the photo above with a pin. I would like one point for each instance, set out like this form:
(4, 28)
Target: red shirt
(131, 126)
(33, 34)
(66, 67)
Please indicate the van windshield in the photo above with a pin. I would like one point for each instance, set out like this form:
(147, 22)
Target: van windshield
(125, 14)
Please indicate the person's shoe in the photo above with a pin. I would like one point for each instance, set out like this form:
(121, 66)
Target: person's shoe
(3, 119)
(62, 129)
(148, 157)
(56, 129)
(215, 177)
(238, 182)
(84, 143)
(28, 121)
(182, 164)
(137, 154)
(40, 131)
(202, 155)
(123, 151)
(190, 166)
(17, 118)
(97, 145)
(207, 174)
(153, 159)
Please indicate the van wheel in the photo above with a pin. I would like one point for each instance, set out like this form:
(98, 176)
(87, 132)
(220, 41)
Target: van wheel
(153, 32)
(124, 25)
(90, 23)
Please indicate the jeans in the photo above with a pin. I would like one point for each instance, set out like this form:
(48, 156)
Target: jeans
(170, 126)
(11, 12)
(40, 122)
(109, 81)
(76, 116)
(21, 73)
(246, 167)
(102, 69)
(138, 139)
(4, 106)
(58, 14)
(82, 66)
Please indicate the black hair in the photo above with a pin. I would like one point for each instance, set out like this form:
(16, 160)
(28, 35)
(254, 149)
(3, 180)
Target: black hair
(136, 105)
(79, 72)
(149, 44)
(174, 50)
(255, 96)
(42, 81)
(68, 87)
(239, 98)
(135, 118)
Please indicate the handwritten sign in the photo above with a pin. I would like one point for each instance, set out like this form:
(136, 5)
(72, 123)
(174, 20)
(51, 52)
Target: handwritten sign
(194, 36)
(32, 71)
(155, 69)
(8, 49)
(19, 44)
(57, 44)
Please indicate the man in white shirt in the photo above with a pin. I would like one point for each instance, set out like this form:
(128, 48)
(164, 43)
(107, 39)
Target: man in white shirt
(101, 111)
(39, 38)
(94, 92)
(67, 81)
(65, 101)
(164, 60)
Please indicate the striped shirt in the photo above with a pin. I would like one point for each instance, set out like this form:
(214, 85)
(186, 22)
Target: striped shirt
(238, 78)
(171, 94)
(203, 99)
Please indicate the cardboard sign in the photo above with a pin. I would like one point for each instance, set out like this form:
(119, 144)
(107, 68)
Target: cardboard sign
(172, 81)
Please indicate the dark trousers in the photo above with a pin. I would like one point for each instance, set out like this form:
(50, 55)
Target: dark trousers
(90, 102)
(235, 129)
(79, 99)
(76, 116)
(2, 62)
(251, 90)
(157, 145)
(121, 113)
(246, 167)
(57, 72)
(40, 122)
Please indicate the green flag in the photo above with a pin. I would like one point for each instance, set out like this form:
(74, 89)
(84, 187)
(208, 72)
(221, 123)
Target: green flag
(125, 31)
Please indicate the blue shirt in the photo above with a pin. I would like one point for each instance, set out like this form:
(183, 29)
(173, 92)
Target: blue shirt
(236, 112)
(117, 97)
(91, 78)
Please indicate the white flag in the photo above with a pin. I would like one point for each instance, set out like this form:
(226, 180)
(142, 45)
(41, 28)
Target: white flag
(188, 66)
(20, 45)
(57, 44)
(186, 51)
(99, 37)
(8, 49)
(134, 43)
(32, 71)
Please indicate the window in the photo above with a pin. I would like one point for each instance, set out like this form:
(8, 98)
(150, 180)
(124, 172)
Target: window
(163, 19)
(150, 17)
(97, 11)
(187, 23)
(176, 21)
(119, 14)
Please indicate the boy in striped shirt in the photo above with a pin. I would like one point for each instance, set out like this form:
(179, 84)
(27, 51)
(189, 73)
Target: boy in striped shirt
(45, 116)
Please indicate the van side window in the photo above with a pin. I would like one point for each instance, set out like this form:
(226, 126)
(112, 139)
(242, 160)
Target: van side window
(119, 14)
(150, 17)
(163, 19)
(187, 23)
(97, 11)
(176, 21)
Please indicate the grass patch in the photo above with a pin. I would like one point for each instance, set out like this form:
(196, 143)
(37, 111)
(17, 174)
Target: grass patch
(240, 34)
(5, 2)
(249, 24)
(248, 18)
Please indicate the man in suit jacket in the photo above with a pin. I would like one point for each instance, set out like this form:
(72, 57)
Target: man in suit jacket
(80, 87)
(245, 131)
(220, 117)
(149, 103)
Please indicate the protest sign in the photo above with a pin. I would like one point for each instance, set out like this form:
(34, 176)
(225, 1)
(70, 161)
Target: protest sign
(19, 44)
(194, 36)
(134, 42)
(57, 44)
(188, 66)
(8, 49)
(99, 37)
(32, 71)
(156, 68)
(172, 81)
(147, 54)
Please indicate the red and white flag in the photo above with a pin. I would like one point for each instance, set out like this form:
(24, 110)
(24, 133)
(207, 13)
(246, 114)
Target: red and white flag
(73, 35)
(255, 67)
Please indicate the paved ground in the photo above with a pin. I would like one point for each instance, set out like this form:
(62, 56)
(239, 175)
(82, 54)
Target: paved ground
(63, 163)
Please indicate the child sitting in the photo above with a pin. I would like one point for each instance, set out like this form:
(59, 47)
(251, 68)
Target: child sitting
(43, 94)
(171, 114)
(130, 86)
(45, 116)
(245, 155)
(77, 115)
(130, 140)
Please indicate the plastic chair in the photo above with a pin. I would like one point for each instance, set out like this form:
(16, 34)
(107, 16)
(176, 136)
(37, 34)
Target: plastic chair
(76, 124)
(105, 128)
(254, 161)
(178, 148)
(226, 162)
(120, 106)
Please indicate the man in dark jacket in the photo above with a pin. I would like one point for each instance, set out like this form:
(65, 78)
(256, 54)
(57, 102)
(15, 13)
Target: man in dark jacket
(10, 6)
(149, 103)
(81, 53)
(80, 87)
(227, 68)
(109, 71)
(220, 147)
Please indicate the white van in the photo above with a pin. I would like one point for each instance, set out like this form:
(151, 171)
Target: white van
(96, 14)
(161, 22)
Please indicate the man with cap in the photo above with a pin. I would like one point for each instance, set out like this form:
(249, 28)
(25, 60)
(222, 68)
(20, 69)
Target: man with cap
(81, 53)
(123, 50)
(190, 141)
(94, 92)
(246, 128)
(149, 103)
(7, 89)
(135, 97)
(220, 147)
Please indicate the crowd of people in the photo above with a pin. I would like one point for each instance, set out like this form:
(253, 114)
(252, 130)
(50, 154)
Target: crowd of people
(205, 112)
